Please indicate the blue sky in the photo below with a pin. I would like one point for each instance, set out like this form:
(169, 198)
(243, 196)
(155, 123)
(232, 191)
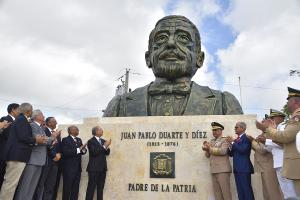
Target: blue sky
(215, 34)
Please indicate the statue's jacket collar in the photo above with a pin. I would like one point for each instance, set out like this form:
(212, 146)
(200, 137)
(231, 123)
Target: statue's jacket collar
(202, 101)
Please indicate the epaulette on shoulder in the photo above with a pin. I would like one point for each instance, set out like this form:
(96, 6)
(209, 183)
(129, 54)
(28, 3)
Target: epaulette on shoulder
(223, 138)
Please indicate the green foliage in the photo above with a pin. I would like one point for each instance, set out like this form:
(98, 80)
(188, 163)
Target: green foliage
(285, 110)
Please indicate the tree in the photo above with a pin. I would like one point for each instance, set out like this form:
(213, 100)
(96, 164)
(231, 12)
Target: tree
(285, 110)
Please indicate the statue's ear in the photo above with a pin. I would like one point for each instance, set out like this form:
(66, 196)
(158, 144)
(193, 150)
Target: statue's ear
(200, 59)
(147, 57)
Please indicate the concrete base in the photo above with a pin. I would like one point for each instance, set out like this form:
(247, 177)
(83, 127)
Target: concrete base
(135, 138)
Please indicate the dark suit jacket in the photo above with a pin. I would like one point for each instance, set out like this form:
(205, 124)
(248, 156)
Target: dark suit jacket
(20, 140)
(71, 160)
(202, 101)
(240, 151)
(53, 149)
(97, 156)
(4, 136)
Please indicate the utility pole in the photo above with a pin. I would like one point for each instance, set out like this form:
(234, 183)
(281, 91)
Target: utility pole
(126, 80)
(240, 91)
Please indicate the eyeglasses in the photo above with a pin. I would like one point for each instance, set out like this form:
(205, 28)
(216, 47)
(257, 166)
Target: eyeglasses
(236, 127)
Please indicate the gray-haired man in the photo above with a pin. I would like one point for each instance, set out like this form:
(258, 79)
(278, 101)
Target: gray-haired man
(18, 150)
(38, 157)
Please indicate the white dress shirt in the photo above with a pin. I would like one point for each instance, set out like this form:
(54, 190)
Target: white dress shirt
(74, 138)
(275, 149)
(298, 141)
(98, 139)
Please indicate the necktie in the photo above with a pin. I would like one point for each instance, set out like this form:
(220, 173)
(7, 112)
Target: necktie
(55, 140)
(170, 88)
(100, 142)
(76, 141)
(237, 139)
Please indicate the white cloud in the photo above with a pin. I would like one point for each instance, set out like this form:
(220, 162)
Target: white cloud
(65, 56)
(265, 49)
(61, 55)
(196, 10)
(204, 76)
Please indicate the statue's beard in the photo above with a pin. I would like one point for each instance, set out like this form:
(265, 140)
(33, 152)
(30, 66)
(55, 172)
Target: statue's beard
(171, 69)
(172, 64)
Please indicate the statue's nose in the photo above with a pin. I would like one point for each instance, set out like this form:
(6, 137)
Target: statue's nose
(171, 43)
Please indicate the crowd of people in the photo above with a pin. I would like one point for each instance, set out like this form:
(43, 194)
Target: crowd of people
(276, 157)
(33, 156)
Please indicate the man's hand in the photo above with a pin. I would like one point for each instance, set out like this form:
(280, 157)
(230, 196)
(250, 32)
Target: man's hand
(261, 126)
(4, 124)
(205, 148)
(55, 134)
(83, 147)
(41, 139)
(229, 139)
(107, 143)
(265, 124)
(261, 139)
(54, 142)
(57, 157)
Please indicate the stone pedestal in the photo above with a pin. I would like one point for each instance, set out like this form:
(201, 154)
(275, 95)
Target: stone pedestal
(160, 157)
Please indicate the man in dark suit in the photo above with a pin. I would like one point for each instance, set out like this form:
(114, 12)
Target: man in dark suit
(18, 150)
(72, 150)
(13, 112)
(240, 150)
(97, 167)
(49, 176)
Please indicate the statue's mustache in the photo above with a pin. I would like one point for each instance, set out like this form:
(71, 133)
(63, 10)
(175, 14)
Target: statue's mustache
(171, 54)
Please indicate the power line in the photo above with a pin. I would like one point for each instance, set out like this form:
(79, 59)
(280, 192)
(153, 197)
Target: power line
(54, 107)
(88, 93)
(227, 83)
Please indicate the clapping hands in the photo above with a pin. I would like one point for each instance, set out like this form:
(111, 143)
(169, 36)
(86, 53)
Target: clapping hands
(4, 124)
(205, 146)
(107, 143)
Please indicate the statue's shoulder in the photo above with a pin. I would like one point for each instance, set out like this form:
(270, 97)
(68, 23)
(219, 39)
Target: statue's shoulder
(138, 91)
(115, 106)
(229, 103)
(206, 90)
(112, 109)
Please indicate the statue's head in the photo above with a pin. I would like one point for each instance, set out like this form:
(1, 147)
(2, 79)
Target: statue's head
(174, 49)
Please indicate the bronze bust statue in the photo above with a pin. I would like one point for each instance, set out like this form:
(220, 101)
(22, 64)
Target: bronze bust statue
(174, 55)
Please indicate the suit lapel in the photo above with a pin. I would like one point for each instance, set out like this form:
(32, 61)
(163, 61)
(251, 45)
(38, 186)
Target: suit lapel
(102, 142)
(9, 118)
(41, 129)
(47, 132)
(96, 141)
(201, 101)
(72, 140)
